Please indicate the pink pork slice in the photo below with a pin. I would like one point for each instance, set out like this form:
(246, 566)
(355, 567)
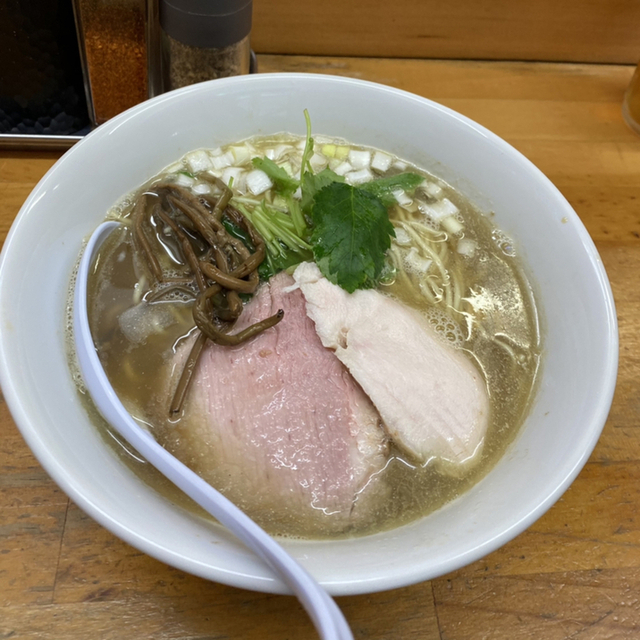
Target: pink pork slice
(281, 427)
(431, 398)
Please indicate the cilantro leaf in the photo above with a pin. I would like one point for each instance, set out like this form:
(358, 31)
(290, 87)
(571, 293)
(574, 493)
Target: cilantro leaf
(312, 183)
(350, 236)
(384, 187)
(344, 228)
(284, 183)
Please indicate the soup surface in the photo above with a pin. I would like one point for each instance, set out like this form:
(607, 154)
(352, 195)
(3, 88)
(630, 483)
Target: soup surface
(447, 262)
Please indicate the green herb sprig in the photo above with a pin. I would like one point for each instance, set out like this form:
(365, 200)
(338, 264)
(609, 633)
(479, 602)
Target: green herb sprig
(344, 228)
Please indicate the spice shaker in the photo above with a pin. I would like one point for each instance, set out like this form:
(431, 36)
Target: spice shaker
(203, 40)
(113, 51)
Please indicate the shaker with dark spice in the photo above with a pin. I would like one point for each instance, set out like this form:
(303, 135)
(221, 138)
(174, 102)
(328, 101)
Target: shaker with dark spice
(204, 39)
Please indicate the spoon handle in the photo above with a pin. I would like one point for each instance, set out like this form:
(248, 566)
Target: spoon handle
(325, 614)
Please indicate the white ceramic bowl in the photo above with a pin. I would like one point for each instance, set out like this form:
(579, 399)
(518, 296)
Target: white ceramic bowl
(579, 324)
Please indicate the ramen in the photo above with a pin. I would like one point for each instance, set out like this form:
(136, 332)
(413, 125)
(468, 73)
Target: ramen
(229, 267)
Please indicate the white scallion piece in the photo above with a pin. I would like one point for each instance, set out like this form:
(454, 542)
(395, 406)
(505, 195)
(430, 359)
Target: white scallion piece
(288, 168)
(452, 225)
(432, 189)
(415, 262)
(318, 162)
(439, 210)
(275, 153)
(343, 168)
(402, 237)
(241, 154)
(282, 149)
(359, 159)
(184, 180)
(402, 198)
(467, 247)
(258, 182)
(381, 161)
(233, 173)
(399, 165)
(358, 177)
(200, 188)
(222, 161)
(198, 161)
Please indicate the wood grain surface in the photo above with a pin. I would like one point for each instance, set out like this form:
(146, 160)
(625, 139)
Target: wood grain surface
(574, 574)
(568, 30)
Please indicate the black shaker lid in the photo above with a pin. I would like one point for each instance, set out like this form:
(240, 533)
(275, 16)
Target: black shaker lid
(206, 23)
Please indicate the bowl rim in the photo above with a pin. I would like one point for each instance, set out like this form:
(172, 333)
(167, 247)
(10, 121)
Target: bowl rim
(59, 474)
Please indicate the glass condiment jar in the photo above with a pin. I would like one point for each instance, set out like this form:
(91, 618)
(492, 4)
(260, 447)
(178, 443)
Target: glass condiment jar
(203, 40)
(114, 54)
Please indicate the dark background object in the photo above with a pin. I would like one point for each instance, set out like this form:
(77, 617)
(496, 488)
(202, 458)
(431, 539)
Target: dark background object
(41, 84)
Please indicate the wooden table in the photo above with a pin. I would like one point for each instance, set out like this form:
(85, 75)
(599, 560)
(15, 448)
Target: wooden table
(574, 574)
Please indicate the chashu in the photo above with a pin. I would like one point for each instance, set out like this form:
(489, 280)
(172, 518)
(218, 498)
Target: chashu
(280, 426)
(433, 401)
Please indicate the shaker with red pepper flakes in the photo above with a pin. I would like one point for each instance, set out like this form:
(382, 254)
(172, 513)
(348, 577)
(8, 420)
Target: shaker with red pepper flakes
(113, 49)
(203, 40)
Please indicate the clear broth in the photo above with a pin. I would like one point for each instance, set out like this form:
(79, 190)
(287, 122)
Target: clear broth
(497, 328)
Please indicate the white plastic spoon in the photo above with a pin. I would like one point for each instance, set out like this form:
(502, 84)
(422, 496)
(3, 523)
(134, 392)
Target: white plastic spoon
(325, 614)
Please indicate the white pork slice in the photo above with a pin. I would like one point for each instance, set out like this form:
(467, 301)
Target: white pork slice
(280, 426)
(432, 399)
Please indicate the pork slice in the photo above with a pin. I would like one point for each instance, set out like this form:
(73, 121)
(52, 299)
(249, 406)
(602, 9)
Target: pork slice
(280, 426)
(431, 398)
